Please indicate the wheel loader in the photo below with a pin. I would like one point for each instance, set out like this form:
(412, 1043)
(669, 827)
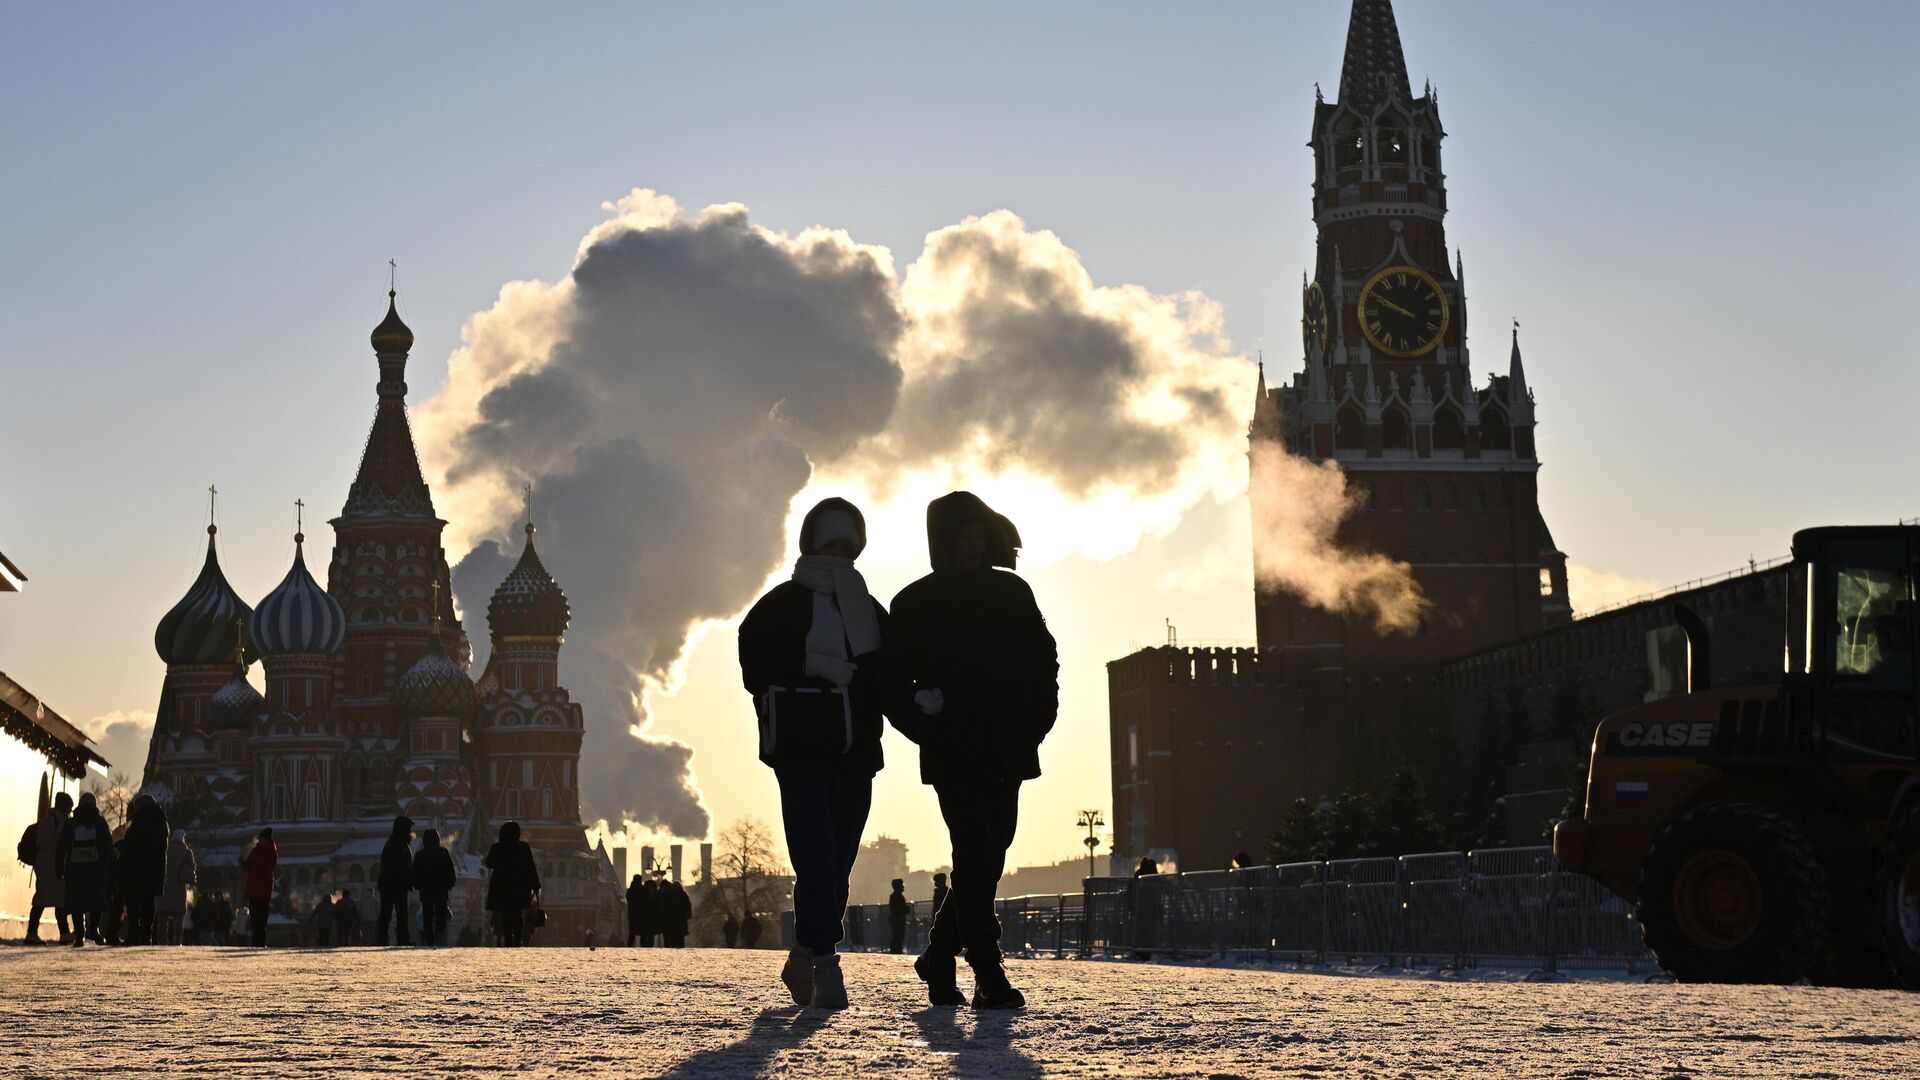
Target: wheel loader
(1771, 833)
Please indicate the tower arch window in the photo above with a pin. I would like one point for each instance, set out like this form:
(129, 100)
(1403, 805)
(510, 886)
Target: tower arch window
(1350, 428)
(1390, 143)
(1348, 145)
(1396, 433)
(1422, 495)
(1449, 433)
(1494, 432)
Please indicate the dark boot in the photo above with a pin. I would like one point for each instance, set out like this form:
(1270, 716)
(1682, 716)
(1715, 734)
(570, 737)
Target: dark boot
(937, 970)
(991, 990)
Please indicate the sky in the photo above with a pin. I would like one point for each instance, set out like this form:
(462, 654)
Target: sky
(1697, 212)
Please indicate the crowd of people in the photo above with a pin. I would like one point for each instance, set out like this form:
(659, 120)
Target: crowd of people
(658, 912)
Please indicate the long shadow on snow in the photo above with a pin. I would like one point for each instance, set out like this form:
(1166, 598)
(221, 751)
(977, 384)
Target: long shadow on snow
(988, 1051)
(773, 1030)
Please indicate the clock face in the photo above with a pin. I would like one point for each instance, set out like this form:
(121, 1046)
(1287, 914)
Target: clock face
(1403, 312)
(1313, 320)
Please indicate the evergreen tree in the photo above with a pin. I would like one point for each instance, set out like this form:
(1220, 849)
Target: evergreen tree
(1347, 824)
(1569, 714)
(1300, 838)
(1404, 823)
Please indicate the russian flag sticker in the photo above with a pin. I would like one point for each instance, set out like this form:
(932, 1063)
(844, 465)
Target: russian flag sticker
(1630, 793)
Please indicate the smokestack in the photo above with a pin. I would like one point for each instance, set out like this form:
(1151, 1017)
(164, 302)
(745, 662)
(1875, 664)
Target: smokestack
(646, 859)
(620, 865)
(673, 853)
(706, 864)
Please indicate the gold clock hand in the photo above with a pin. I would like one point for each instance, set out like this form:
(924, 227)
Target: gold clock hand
(1384, 302)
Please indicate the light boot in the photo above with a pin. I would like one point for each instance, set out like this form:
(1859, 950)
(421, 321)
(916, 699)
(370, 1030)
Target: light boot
(798, 974)
(829, 987)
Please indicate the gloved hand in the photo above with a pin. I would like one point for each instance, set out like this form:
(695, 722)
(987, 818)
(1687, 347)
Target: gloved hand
(831, 668)
(930, 702)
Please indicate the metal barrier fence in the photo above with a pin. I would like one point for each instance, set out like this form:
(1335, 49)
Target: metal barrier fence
(1499, 908)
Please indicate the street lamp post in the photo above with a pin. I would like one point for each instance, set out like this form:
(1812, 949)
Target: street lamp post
(1091, 821)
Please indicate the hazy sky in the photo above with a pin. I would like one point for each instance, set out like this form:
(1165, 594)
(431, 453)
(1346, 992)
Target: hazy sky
(1701, 214)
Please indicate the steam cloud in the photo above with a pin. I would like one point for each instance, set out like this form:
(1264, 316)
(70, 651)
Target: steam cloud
(1297, 522)
(672, 396)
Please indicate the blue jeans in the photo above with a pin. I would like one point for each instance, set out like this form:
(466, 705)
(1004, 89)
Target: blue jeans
(823, 803)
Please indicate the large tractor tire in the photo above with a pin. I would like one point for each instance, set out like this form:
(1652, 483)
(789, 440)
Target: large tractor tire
(1898, 891)
(1732, 892)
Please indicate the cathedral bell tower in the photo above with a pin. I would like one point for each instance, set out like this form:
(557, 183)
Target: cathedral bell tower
(1447, 468)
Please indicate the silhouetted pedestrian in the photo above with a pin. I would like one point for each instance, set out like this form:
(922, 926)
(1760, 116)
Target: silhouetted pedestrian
(750, 931)
(1146, 908)
(985, 674)
(897, 911)
(810, 654)
(346, 918)
(145, 866)
(261, 861)
(223, 919)
(86, 865)
(200, 925)
(49, 888)
(730, 930)
(396, 881)
(639, 912)
(433, 879)
(322, 921)
(511, 884)
(676, 913)
(170, 907)
(939, 892)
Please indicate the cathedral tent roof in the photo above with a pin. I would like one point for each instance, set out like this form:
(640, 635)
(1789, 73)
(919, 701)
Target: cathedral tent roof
(1374, 62)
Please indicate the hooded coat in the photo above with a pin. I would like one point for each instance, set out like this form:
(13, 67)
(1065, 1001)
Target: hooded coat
(773, 648)
(181, 875)
(978, 637)
(514, 877)
(433, 873)
(396, 859)
(86, 859)
(145, 869)
(49, 888)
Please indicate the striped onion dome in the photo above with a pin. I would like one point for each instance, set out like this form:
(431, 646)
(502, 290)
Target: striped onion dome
(529, 603)
(200, 629)
(298, 616)
(434, 685)
(392, 335)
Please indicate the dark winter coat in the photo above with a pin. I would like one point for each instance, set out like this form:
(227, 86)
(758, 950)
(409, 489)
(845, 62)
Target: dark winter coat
(86, 860)
(978, 637)
(773, 652)
(433, 873)
(640, 907)
(396, 861)
(514, 878)
(145, 844)
(261, 862)
(898, 908)
(676, 909)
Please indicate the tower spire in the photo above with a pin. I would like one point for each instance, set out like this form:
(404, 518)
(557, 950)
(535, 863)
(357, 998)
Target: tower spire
(1519, 398)
(527, 498)
(1375, 67)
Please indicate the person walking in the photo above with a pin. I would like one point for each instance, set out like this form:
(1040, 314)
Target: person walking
(939, 891)
(170, 908)
(433, 879)
(512, 883)
(346, 918)
(677, 914)
(49, 888)
(897, 911)
(750, 931)
(810, 654)
(322, 921)
(86, 868)
(396, 881)
(262, 859)
(145, 867)
(984, 673)
(637, 903)
(730, 930)
(200, 923)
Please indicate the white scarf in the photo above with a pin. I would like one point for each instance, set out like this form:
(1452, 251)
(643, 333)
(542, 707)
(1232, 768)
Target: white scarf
(854, 622)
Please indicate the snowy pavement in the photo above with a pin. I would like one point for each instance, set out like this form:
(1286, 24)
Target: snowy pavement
(699, 1012)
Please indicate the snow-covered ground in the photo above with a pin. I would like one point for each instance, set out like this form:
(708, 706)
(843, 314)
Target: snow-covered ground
(698, 1012)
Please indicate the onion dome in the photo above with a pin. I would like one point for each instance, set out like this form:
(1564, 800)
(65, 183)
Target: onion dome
(392, 335)
(434, 685)
(529, 602)
(234, 706)
(201, 629)
(298, 616)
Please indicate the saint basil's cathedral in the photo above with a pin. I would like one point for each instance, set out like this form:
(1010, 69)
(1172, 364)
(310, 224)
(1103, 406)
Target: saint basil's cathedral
(369, 711)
